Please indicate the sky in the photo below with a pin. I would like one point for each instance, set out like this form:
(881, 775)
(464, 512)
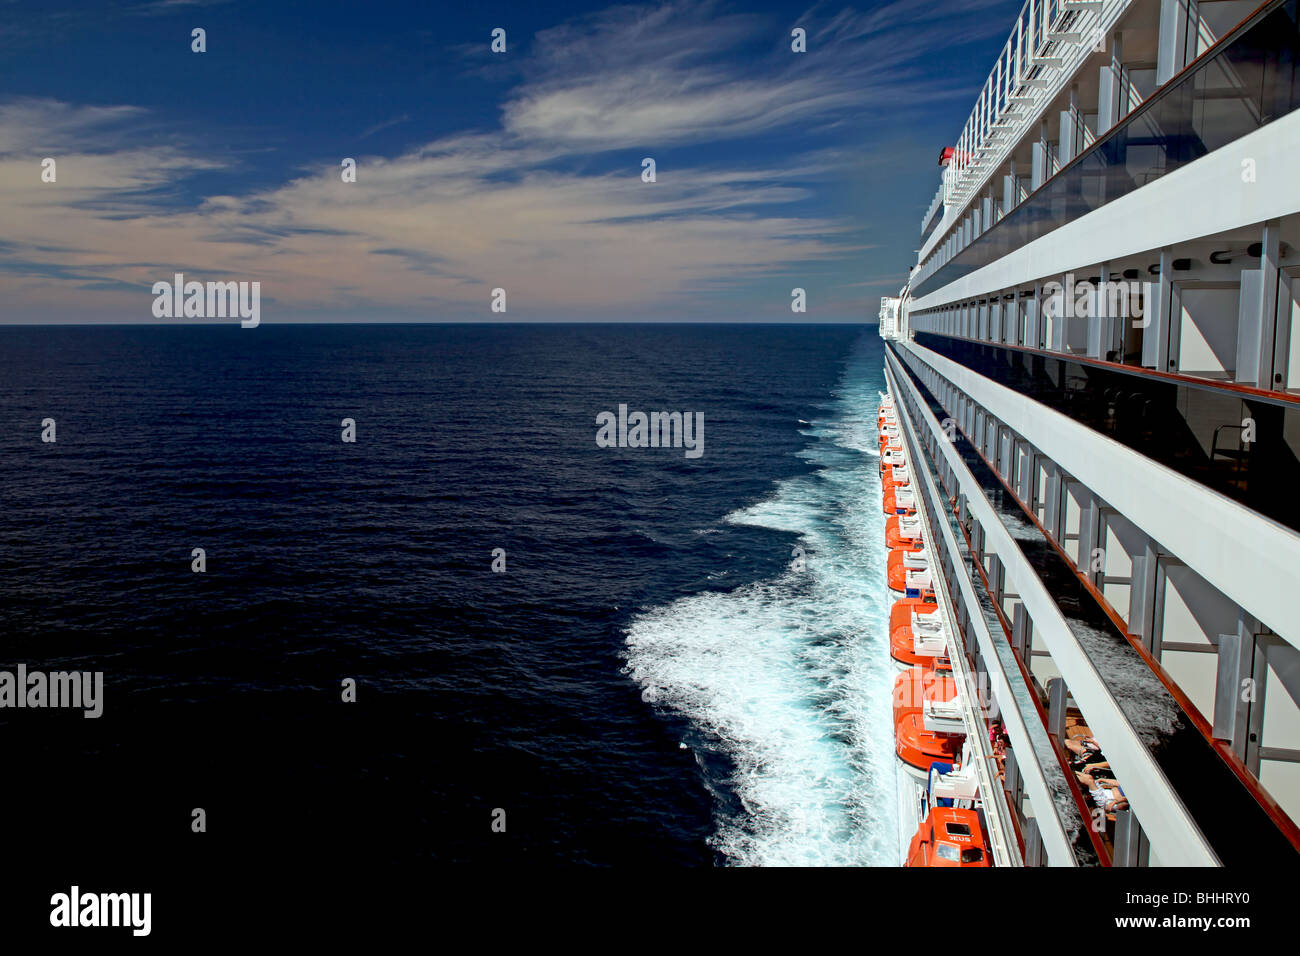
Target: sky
(477, 170)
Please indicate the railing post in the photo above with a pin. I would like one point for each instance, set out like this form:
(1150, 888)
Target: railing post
(1069, 128)
(1034, 855)
(1057, 694)
(1032, 43)
(1020, 633)
(1155, 334)
(1020, 48)
(1042, 170)
(1257, 313)
(1128, 839)
(1171, 53)
(1109, 110)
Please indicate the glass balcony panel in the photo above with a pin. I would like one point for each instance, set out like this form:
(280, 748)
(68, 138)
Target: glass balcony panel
(1249, 82)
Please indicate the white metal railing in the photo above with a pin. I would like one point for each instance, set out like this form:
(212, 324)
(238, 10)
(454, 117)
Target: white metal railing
(1037, 52)
(993, 796)
(934, 207)
(1050, 40)
(1175, 836)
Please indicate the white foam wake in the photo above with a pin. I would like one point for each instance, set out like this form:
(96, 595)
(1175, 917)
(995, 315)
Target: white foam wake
(791, 676)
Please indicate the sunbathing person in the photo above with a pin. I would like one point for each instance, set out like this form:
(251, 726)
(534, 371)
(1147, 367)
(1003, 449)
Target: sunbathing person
(1082, 745)
(1087, 755)
(1105, 792)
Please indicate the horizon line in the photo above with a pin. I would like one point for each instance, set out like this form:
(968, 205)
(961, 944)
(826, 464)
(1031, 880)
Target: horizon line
(474, 322)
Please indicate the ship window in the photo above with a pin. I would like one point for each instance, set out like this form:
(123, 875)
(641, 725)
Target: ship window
(1212, 21)
(972, 855)
(946, 851)
(959, 829)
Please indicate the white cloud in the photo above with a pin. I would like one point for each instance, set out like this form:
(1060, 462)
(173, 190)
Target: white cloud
(432, 231)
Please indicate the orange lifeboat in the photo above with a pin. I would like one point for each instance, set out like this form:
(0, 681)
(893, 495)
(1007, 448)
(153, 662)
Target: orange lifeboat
(898, 565)
(902, 640)
(949, 837)
(918, 747)
(894, 475)
(894, 506)
(900, 615)
(920, 683)
(895, 536)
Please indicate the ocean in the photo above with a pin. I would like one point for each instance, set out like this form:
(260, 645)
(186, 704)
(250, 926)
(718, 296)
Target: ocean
(677, 661)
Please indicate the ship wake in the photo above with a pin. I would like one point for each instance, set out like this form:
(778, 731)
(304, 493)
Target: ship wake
(790, 678)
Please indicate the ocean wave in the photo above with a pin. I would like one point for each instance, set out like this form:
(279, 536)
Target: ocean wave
(790, 677)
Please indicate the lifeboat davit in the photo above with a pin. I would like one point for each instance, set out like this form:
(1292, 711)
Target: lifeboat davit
(918, 747)
(918, 684)
(949, 837)
(899, 531)
(902, 638)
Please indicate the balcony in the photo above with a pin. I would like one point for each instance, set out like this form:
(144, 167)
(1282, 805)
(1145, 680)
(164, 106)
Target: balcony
(1249, 82)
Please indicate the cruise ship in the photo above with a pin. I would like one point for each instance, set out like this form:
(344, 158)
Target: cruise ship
(1090, 450)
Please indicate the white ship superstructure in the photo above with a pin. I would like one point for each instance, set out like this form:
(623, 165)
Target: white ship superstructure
(1091, 450)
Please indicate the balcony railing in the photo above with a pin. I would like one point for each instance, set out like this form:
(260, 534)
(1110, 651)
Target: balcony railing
(1250, 80)
(1051, 38)
(927, 221)
(1233, 814)
(1196, 430)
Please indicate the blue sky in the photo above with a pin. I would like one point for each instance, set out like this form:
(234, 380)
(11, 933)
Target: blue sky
(478, 170)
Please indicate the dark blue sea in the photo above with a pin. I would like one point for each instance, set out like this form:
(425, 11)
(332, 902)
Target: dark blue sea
(683, 663)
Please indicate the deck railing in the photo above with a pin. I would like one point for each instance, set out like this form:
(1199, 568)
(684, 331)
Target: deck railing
(1049, 41)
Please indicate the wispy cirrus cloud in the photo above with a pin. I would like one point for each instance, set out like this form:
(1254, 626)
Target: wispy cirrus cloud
(430, 231)
(163, 7)
(664, 74)
(396, 120)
